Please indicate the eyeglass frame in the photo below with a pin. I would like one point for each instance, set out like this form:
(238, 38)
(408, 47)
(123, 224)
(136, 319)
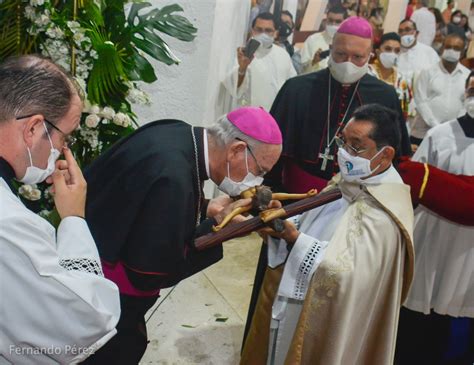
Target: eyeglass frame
(261, 170)
(341, 143)
(70, 140)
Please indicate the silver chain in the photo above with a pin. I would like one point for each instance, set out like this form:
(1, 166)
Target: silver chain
(198, 220)
(328, 141)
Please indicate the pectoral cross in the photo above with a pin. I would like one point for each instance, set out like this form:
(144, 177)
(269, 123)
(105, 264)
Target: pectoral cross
(326, 156)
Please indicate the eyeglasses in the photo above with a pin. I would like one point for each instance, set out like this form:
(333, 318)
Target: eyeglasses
(261, 171)
(68, 139)
(352, 150)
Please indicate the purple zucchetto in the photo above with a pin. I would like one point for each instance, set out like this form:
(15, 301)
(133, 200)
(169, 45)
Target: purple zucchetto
(357, 26)
(256, 123)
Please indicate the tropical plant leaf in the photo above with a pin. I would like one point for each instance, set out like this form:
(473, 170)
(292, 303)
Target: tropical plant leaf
(93, 13)
(143, 70)
(14, 38)
(142, 30)
(174, 25)
(106, 79)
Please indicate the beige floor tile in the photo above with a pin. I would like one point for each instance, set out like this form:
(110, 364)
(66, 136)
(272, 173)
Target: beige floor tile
(182, 326)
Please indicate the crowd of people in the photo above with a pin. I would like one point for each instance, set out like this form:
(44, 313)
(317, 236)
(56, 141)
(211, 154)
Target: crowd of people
(344, 66)
(383, 274)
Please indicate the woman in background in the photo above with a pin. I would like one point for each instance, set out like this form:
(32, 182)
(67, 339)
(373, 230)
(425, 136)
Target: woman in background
(384, 68)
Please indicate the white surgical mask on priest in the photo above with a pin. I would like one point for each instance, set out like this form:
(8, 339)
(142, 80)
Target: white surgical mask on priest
(235, 182)
(408, 34)
(42, 143)
(349, 58)
(453, 46)
(359, 157)
(333, 21)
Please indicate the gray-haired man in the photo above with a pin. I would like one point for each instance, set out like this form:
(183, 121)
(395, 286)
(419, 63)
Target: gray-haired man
(146, 206)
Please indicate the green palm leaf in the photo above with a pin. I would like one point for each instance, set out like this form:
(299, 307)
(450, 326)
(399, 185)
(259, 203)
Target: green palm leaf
(14, 38)
(106, 80)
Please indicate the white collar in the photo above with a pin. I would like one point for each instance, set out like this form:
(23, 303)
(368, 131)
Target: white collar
(206, 153)
(455, 71)
(262, 52)
(352, 190)
(406, 50)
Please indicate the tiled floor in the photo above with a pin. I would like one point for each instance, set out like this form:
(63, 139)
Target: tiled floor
(201, 320)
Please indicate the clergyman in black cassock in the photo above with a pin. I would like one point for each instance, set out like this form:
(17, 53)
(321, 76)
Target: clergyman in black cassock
(301, 109)
(142, 201)
(145, 207)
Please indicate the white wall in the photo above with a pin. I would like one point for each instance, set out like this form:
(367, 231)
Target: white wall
(189, 91)
(179, 92)
(230, 27)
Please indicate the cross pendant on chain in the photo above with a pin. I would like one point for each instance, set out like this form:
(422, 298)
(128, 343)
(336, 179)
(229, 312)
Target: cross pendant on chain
(326, 156)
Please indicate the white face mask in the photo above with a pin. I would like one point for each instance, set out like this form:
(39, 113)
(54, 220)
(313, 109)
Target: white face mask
(354, 168)
(457, 20)
(234, 188)
(451, 55)
(388, 59)
(35, 175)
(347, 72)
(265, 40)
(469, 105)
(408, 40)
(331, 30)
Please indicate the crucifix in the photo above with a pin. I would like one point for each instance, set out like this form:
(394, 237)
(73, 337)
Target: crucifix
(326, 156)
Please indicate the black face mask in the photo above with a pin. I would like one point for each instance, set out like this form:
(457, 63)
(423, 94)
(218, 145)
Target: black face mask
(284, 31)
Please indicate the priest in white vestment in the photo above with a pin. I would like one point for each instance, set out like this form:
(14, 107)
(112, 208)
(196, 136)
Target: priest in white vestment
(337, 278)
(256, 81)
(320, 42)
(442, 295)
(56, 307)
(414, 56)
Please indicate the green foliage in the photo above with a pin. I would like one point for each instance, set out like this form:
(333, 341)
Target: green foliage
(106, 48)
(14, 39)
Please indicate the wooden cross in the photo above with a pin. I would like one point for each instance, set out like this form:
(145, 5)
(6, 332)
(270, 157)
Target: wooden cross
(326, 156)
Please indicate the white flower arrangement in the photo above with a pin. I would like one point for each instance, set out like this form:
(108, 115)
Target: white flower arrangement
(107, 113)
(122, 119)
(86, 39)
(30, 192)
(92, 120)
(36, 2)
